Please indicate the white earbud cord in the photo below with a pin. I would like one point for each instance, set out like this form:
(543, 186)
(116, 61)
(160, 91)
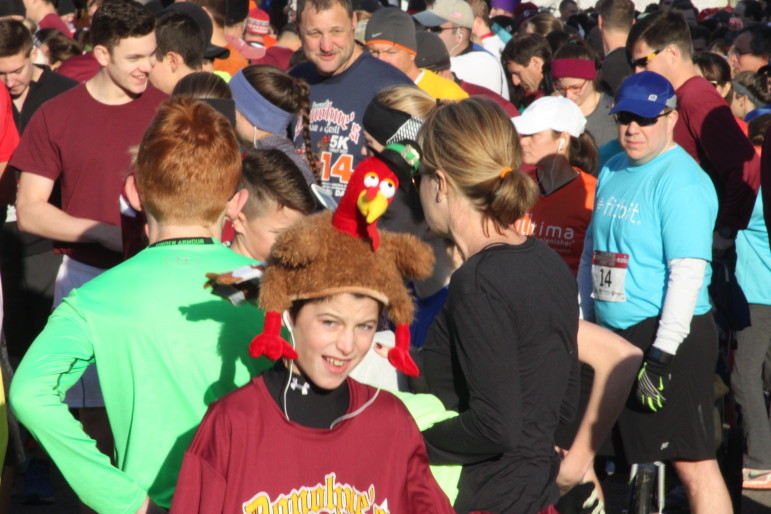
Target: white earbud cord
(285, 317)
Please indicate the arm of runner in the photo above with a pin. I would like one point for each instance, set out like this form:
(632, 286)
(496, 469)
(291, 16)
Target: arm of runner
(686, 277)
(36, 216)
(615, 362)
(54, 362)
(488, 356)
(585, 301)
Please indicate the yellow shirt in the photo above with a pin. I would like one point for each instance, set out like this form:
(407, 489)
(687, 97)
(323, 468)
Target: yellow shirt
(440, 87)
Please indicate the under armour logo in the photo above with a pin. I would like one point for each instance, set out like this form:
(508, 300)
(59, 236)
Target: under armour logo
(304, 387)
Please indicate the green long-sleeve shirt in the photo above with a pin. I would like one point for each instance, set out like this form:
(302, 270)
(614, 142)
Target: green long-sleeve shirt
(164, 349)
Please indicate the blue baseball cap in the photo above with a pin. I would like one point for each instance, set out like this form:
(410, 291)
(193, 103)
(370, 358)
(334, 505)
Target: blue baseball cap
(645, 94)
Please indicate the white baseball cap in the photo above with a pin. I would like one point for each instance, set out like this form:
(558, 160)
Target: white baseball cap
(551, 112)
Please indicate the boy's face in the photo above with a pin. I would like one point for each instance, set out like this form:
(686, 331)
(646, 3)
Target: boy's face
(333, 336)
(130, 62)
(16, 72)
(255, 236)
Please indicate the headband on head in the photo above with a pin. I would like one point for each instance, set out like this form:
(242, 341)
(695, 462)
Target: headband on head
(256, 108)
(573, 68)
(388, 125)
(741, 90)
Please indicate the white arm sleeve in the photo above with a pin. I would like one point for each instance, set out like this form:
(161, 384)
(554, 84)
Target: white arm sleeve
(585, 301)
(686, 277)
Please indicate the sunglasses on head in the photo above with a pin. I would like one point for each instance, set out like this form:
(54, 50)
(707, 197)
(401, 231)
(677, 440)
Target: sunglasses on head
(625, 118)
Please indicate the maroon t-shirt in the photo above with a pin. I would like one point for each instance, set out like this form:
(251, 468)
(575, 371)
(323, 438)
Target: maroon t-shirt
(708, 131)
(475, 90)
(80, 67)
(277, 56)
(246, 457)
(85, 145)
(53, 21)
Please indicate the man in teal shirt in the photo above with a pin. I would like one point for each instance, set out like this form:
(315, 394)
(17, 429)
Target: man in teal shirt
(163, 345)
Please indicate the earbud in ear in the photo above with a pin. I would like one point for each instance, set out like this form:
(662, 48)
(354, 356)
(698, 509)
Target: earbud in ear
(562, 143)
(459, 34)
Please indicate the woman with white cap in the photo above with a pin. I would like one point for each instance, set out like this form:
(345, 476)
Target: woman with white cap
(564, 155)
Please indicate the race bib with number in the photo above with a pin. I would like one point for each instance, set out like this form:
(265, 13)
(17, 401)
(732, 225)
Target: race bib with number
(608, 275)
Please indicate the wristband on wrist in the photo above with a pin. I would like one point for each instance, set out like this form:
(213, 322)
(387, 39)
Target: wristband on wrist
(660, 356)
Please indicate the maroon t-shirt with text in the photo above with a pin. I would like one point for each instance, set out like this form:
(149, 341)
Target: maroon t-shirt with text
(247, 457)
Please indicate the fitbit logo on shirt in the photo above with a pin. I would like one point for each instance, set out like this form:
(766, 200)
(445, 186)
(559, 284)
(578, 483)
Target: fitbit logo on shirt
(618, 208)
(329, 497)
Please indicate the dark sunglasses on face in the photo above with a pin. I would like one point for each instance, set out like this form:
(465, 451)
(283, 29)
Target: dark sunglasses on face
(438, 29)
(642, 62)
(625, 118)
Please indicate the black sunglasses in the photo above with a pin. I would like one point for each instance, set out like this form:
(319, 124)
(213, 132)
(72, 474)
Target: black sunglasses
(440, 29)
(625, 118)
(417, 175)
(642, 62)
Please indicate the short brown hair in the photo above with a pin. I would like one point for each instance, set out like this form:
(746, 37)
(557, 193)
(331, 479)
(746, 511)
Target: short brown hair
(616, 14)
(472, 142)
(323, 5)
(189, 164)
(544, 23)
(523, 47)
(15, 38)
(660, 29)
(217, 9)
(115, 21)
(270, 175)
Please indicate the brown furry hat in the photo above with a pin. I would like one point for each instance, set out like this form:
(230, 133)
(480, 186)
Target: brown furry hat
(323, 255)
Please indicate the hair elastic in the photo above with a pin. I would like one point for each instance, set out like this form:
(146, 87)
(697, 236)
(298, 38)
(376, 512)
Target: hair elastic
(505, 171)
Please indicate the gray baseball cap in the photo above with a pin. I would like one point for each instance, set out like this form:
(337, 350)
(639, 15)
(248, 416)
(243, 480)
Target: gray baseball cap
(443, 11)
(391, 25)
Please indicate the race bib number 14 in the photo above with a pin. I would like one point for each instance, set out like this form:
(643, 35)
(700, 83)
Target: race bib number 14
(608, 275)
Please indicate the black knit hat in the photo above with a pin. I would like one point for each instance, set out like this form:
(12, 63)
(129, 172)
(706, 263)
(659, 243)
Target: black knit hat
(12, 8)
(236, 11)
(65, 7)
(432, 54)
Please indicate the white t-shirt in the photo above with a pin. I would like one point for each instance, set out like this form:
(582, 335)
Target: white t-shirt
(493, 44)
(480, 67)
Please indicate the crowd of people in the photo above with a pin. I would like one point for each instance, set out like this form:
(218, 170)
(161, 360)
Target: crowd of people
(378, 256)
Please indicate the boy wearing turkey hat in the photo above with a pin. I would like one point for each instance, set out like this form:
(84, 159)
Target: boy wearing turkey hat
(331, 276)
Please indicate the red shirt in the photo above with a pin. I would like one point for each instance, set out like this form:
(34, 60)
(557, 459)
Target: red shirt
(475, 90)
(85, 145)
(9, 136)
(708, 131)
(80, 67)
(247, 457)
(561, 218)
(53, 21)
(277, 56)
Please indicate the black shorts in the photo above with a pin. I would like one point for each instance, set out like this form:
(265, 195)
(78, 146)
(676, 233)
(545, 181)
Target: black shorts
(684, 428)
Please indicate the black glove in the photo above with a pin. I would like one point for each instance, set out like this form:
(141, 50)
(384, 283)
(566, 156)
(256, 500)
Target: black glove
(582, 499)
(653, 380)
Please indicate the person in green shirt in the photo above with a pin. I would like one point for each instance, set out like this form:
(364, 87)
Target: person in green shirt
(164, 347)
